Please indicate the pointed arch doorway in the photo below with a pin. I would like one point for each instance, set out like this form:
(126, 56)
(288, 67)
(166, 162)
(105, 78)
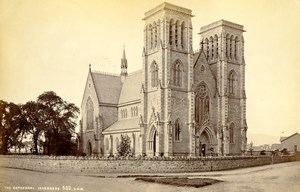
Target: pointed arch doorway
(205, 140)
(204, 143)
(153, 141)
(89, 148)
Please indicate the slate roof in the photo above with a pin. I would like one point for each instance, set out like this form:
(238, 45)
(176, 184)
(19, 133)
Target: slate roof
(122, 125)
(131, 87)
(108, 87)
(285, 138)
(195, 57)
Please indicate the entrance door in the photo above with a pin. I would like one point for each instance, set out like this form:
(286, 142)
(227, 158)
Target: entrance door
(204, 143)
(203, 149)
(89, 148)
(154, 143)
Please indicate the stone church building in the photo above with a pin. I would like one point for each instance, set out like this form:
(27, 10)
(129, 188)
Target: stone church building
(182, 102)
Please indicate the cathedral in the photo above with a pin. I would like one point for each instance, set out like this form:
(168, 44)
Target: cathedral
(181, 103)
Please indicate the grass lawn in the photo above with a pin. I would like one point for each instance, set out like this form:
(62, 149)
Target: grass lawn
(180, 181)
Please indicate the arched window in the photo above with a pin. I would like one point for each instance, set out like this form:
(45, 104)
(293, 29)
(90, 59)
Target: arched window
(202, 104)
(123, 113)
(182, 35)
(134, 111)
(207, 47)
(171, 32)
(177, 73)
(230, 46)
(137, 111)
(154, 75)
(151, 36)
(89, 114)
(227, 39)
(212, 49)
(235, 47)
(217, 46)
(155, 34)
(177, 130)
(231, 133)
(176, 33)
(231, 82)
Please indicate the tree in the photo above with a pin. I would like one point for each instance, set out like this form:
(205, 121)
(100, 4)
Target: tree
(59, 119)
(124, 149)
(50, 120)
(33, 115)
(10, 126)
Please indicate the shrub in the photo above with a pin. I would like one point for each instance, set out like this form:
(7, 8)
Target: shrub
(124, 149)
(284, 151)
(263, 152)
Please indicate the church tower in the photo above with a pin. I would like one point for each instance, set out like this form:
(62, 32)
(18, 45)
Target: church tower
(167, 79)
(223, 45)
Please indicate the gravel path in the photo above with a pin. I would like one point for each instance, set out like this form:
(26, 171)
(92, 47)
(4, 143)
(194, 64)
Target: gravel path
(278, 177)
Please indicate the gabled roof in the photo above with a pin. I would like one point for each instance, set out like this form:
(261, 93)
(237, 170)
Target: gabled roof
(108, 87)
(123, 125)
(283, 139)
(131, 87)
(200, 56)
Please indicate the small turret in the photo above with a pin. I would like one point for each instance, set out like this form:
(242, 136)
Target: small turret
(123, 66)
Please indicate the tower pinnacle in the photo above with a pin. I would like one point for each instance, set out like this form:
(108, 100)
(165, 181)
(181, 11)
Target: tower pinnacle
(123, 66)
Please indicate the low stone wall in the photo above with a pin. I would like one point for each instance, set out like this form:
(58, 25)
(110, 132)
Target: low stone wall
(148, 165)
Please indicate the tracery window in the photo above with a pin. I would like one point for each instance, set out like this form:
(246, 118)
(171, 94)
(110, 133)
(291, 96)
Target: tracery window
(154, 75)
(177, 74)
(231, 82)
(202, 104)
(89, 114)
(177, 130)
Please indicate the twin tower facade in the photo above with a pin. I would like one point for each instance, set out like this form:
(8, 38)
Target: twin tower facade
(182, 103)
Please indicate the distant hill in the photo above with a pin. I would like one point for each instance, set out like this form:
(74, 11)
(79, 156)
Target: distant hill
(260, 139)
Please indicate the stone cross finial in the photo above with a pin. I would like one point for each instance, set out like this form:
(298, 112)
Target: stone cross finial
(202, 43)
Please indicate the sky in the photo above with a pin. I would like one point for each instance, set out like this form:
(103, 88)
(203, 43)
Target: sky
(48, 45)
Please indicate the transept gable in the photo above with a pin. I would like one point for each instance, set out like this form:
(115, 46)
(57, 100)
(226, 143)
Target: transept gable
(89, 92)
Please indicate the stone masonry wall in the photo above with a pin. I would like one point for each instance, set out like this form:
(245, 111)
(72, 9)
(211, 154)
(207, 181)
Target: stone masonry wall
(150, 165)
